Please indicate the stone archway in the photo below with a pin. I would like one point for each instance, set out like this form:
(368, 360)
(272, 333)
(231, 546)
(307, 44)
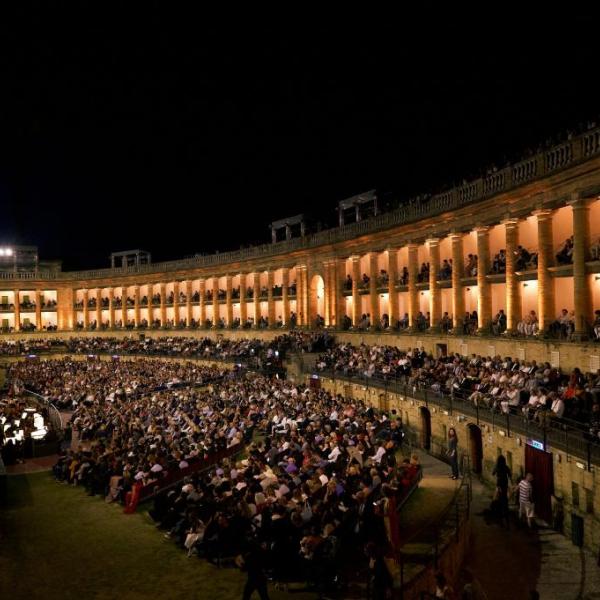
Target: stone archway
(316, 299)
(425, 428)
(475, 448)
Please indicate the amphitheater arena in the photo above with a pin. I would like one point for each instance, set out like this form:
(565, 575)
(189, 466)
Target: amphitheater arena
(364, 281)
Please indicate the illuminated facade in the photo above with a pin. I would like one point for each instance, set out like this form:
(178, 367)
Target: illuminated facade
(369, 267)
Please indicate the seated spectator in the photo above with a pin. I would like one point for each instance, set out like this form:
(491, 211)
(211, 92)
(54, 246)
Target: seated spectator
(499, 323)
(596, 324)
(528, 326)
(565, 255)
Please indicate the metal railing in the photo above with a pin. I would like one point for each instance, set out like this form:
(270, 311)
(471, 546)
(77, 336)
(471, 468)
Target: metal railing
(564, 434)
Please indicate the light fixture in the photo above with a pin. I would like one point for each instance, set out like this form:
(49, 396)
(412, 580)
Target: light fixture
(525, 285)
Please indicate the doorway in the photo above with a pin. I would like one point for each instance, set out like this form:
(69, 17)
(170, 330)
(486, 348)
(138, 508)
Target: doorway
(539, 464)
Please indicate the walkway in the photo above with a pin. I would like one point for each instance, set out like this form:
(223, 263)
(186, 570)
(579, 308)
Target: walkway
(508, 564)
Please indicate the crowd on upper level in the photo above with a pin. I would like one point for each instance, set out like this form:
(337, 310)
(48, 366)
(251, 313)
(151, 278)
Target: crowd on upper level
(502, 384)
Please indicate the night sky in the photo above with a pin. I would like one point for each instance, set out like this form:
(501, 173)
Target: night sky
(179, 135)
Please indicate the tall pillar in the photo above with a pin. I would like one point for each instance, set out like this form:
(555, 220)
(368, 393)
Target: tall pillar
(435, 296)
(86, 312)
(17, 311)
(188, 303)
(340, 283)
(243, 302)
(373, 291)
(581, 281)
(176, 303)
(458, 272)
(229, 300)
(299, 311)
(163, 304)
(111, 307)
(98, 308)
(137, 318)
(216, 301)
(332, 294)
(305, 294)
(356, 300)
(124, 290)
(270, 298)
(513, 291)
(256, 286)
(38, 311)
(413, 292)
(327, 292)
(150, 305)
(545, 260)
(285, 296)
(392, 270)
(484, 287)
(202, 292)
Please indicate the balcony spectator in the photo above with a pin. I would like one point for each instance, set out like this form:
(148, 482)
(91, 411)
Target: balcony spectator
(365, 280)
(385, 321)
(446, 323)
(403, 322)
(529, 325)
(423, 276)
(499, 323)
(595, 250)
(596, 325)
(499, 263)
(470, 323)
(471, 265)
(446, 270)
(565, 254)
(404, 276)
(563, 326)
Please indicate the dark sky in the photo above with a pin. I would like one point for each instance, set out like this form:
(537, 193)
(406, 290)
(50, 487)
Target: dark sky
(180, 135)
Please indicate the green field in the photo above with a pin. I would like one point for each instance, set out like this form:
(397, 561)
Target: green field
(56, 542)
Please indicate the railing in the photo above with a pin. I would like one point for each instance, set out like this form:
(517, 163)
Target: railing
(564, 434)
(563, 155)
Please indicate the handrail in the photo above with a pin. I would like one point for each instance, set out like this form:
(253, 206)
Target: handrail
(558, 433)
(565, 154)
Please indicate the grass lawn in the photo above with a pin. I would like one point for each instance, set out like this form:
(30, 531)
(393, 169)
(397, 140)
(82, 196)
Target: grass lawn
(56, 542)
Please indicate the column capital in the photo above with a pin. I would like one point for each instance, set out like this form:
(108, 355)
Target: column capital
(481, 229)
(391, 250)
(456, 234)
(577, 201)
(543, 213)
(434, 241)
(510, 222)
(354, 258)
(412, 245)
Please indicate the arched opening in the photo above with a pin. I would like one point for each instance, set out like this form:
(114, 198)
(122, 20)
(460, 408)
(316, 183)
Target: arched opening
(316, 300)
(475, 448)
(425, 428)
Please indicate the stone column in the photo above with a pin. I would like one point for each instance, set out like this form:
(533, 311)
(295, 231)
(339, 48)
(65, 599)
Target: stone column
(305, 292)
(124, 291)
(163, 304)
(458, 272)
(38, 311)
(545, 260)
(111, 307)
(340, 283)
(137, 317)
(98, 308)
(356, 300)
(435, 296)
(17, 311)
(176, 303)
(189, 310)
(413, 292)
(513, 291)
(216, 301)
(299, 311)
(484, 288)
(86, 312)
(229, 300)
(243, 303)
(202, 303)
(285, 296)
(581, 250)
(270, 298)
(392, 269)
(150, 305)
(332, 294)
(373, 291)
(256, 286)
(326, 292)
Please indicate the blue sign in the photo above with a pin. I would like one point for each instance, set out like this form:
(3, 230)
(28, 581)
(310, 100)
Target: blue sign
(536, 444)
